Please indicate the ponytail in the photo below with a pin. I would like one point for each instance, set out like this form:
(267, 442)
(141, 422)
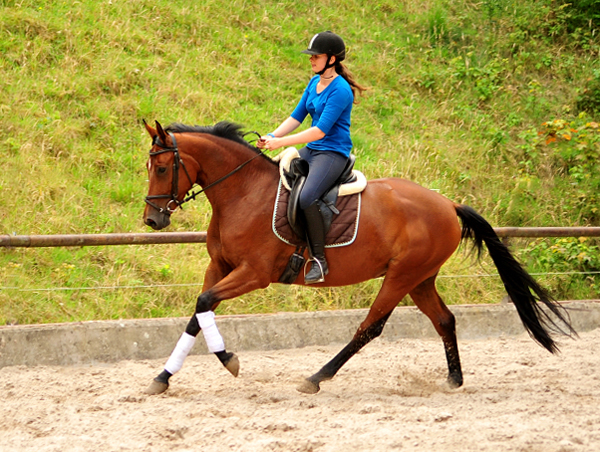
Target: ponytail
(347, 75)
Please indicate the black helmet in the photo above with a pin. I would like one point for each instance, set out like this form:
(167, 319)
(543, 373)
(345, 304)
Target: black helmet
(327, 43)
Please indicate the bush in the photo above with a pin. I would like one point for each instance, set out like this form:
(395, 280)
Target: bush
(581, 14)
(569, 152)
(589, 99)
(570, 262)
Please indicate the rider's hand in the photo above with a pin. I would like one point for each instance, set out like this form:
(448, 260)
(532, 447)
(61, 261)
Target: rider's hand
(271, 143)
(260, 144)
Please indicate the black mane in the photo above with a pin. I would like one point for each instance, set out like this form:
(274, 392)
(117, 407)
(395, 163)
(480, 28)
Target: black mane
(223, 129)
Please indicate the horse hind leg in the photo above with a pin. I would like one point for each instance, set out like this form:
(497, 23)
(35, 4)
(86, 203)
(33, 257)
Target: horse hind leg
(311, 385)
(391, 293)
(427, 299)
(393, 290)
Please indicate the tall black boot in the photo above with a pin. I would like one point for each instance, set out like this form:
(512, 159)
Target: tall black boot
(315, 231)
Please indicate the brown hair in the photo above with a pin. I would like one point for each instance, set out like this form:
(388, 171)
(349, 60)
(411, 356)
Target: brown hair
(345, 72)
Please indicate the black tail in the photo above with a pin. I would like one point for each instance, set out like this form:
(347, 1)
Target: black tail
(523, 290)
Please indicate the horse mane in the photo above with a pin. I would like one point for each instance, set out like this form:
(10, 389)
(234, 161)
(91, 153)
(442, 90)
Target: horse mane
(223, 129)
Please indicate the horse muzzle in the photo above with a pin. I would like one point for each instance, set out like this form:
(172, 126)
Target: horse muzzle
(159, 217)
(157, 220)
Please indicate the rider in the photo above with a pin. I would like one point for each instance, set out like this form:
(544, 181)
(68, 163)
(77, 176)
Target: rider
(328, 99)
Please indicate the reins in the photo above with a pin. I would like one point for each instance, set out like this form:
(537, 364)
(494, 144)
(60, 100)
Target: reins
(177, 161)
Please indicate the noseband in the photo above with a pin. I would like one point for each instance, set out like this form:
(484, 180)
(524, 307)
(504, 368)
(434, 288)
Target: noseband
(177, 162)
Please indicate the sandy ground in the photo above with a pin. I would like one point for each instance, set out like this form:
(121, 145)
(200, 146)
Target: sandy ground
(516, 397)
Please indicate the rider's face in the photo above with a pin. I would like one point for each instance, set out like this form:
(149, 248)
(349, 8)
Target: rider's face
(318, 62)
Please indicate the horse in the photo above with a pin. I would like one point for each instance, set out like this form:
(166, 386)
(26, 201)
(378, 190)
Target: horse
(406, 233)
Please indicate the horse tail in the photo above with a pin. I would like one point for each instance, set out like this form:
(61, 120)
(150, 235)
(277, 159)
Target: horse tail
(523, 290)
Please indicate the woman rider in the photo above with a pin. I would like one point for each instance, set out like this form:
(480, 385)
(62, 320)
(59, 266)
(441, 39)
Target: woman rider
(328, 99)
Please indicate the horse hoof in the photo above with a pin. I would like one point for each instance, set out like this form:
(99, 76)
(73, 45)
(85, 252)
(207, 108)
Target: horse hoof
(156, 387)
(308, 387)
(454, 383)
(233, 365)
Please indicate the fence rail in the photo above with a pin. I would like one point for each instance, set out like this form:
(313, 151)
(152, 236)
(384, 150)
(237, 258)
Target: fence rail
(157, 238)
(549, 232)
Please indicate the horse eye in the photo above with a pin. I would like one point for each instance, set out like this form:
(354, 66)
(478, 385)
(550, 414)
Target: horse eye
(162, 170)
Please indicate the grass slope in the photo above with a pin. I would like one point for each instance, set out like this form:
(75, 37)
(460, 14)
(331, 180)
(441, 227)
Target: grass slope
(459, 94)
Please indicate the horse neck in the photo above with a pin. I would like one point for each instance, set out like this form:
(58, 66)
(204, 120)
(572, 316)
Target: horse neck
(216, 157)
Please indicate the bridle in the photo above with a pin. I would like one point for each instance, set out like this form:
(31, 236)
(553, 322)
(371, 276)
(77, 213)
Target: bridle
(177, 163)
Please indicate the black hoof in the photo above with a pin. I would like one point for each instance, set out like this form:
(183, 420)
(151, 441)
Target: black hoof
(455, 381)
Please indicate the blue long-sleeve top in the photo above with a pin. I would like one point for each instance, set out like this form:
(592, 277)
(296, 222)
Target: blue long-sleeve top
(330, 111)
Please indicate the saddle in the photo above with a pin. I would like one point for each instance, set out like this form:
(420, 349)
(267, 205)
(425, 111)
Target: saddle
(290, 227)
(294, 171)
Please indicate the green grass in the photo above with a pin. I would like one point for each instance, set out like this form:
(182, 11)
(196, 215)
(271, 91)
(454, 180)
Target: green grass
(458, 96)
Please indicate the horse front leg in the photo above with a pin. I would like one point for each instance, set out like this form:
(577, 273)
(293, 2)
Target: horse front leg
(240, 281)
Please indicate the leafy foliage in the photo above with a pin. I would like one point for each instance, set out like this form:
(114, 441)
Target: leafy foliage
(589, 98)
(575, 262)
(572, 150)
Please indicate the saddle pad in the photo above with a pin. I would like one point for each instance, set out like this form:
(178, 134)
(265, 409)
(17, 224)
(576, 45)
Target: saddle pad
(344, 226)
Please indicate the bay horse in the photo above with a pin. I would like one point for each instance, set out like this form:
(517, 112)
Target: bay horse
(406, 233)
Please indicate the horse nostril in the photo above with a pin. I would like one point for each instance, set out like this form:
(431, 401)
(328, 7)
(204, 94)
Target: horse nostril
(157, 223)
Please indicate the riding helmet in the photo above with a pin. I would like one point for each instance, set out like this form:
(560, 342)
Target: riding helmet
(327, 43)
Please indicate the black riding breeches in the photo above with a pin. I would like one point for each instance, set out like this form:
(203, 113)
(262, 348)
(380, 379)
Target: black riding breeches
(325, 167)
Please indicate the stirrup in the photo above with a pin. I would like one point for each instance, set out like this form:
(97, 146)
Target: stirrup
(322, 272)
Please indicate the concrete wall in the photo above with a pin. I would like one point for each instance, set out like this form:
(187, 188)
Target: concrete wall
(110, 341)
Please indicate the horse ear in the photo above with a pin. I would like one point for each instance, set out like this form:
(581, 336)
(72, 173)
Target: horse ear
(151, 131)
(161, 132)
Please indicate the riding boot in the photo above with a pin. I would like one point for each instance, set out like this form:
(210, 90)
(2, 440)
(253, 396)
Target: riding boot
(315, 231)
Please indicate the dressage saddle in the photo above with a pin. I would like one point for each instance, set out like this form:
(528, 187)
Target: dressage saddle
(296, 177)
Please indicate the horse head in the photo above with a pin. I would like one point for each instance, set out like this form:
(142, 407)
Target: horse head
(168, 177)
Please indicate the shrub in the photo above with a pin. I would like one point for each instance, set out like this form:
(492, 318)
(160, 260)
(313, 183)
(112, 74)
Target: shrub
(589, 99)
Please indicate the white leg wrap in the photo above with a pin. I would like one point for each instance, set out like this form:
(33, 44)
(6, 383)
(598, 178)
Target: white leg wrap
(182, 349)
(213, 338)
